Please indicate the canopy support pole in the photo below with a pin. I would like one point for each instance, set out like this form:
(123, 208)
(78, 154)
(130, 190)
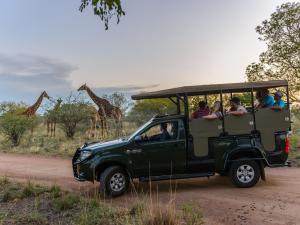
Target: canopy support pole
(186, 111)
(178, 105)
(222, 111)
(253, 110)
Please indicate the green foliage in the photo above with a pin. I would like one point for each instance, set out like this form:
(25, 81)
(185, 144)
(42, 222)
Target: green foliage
(65, 202)
(73, 111)
(55, 191)
(12, 192)
(95, 212)
(31, 190)
(32, 218)
(6, 107)
(14, 125)
(192, 214)
(104, 9)
(143, 110)
(281, 60)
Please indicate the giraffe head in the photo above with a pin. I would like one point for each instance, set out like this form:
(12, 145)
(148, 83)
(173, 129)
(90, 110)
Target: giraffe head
(45, 95)
(82, 88)
(59, 100)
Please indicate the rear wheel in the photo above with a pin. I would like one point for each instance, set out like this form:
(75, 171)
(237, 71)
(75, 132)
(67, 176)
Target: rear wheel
(114, 181)
(244, 174)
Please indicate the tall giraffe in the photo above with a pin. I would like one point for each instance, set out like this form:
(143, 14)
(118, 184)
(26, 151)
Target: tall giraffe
(52, 118)
(31, 110)
(105, 107)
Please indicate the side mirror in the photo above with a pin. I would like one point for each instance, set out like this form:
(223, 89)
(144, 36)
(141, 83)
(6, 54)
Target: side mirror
(138, 138)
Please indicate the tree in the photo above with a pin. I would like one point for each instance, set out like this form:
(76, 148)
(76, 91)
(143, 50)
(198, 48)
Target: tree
(73, 111)
(13, 125)
(11, 107)
(104, 9)
(281, 60)
(143, 110)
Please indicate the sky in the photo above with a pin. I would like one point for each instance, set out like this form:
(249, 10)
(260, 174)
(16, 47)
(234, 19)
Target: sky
(50, 45)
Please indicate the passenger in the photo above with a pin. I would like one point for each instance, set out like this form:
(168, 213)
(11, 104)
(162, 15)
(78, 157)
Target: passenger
(215, 112)
(265, 99)
(164, 135)
(203, 110)
(258, 99)
(279, 103)
(236, 108)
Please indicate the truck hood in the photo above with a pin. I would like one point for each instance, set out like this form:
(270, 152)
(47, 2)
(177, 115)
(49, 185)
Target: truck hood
(106, 145)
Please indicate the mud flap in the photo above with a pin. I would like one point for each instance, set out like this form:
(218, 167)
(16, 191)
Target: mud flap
(262, 170)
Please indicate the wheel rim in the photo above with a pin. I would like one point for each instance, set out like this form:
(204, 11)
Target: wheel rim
(245, 173)
(117, 182)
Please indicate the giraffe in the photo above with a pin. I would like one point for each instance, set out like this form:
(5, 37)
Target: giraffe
(105, 107)
(31, 110)
(52, 118)
(94, 118)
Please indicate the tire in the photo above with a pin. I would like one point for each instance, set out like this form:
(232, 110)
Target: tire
(114, 181)
(244, 174)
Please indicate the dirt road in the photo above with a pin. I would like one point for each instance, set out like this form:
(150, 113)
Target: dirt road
(276, 201)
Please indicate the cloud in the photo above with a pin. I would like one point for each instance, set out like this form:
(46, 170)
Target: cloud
(23, 77)
(126, 89)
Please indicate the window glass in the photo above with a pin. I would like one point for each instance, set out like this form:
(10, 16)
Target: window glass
(161, 132)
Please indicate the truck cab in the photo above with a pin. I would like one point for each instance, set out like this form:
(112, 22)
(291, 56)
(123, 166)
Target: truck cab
(178, 147)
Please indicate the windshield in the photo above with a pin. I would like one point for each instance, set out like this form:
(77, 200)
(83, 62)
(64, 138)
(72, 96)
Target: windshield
(139, 129)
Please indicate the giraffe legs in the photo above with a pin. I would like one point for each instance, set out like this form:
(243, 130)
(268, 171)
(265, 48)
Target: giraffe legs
(54, 127)
(48, 128)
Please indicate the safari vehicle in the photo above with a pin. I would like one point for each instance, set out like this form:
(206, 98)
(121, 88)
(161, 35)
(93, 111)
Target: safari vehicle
(237, 146)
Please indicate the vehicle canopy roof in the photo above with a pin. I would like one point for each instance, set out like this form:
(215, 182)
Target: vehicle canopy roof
(210, 89)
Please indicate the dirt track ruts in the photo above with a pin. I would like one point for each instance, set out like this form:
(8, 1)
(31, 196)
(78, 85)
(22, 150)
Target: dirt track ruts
(276, 201)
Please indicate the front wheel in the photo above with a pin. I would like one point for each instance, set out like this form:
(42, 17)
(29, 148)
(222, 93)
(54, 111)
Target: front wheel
(114, 181)
(244, 174)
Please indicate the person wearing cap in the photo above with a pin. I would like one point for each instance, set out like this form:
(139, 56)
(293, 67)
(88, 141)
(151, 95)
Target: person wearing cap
(279, 103)
(265, 99)
(236, 108)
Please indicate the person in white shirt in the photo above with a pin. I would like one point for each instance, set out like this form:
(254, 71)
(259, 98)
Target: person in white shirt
(236, 108)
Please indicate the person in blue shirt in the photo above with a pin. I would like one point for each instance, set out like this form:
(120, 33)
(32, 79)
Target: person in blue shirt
(279, 103)
(265, 99)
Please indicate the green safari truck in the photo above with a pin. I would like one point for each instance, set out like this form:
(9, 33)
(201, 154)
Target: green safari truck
(236, 146)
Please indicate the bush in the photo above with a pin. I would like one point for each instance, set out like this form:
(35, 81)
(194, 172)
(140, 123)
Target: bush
(13, 126)
(71, 113)
(67, 201)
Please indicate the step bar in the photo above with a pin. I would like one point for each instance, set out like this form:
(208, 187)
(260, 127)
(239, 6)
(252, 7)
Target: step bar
(175, 177)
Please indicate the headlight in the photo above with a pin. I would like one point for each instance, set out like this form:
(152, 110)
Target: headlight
(84, 155)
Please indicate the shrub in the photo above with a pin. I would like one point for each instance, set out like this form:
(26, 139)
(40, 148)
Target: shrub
(13, 126)
(33, 218)
(55, 191)
(67, 201)
(71, 113)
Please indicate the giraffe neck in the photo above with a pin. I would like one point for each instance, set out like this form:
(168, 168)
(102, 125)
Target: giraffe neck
(32, 109)
(100, 102)
(57, 105)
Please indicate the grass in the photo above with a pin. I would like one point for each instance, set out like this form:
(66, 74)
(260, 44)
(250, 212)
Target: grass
(32, 218)
(39, 143)
(33, 204)
(65, 202)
